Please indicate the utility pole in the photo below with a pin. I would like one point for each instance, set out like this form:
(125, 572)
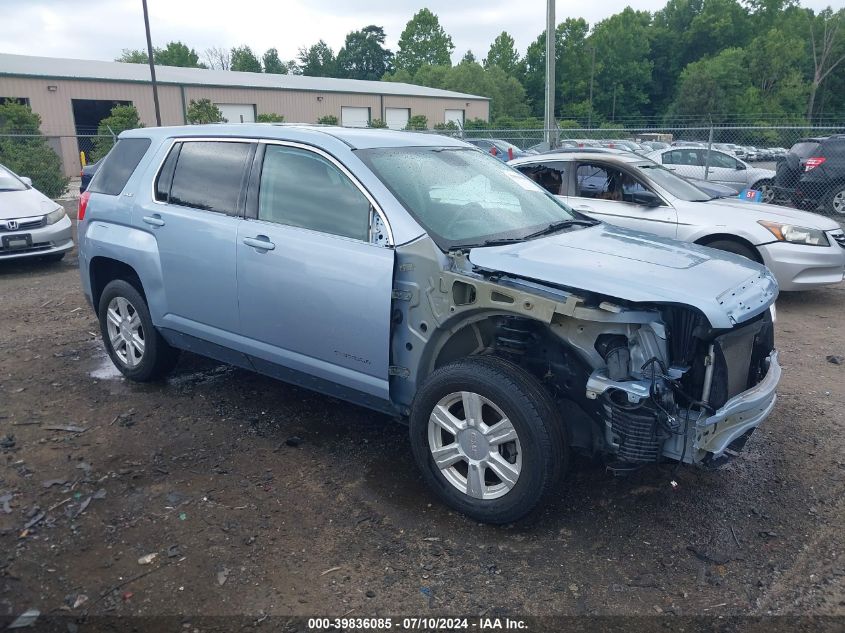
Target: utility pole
(549, 119)
(152, 62)
(592, 76)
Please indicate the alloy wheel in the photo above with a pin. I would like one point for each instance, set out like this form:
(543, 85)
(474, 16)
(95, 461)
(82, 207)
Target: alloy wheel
(837, 202)
(475, 445)
(126, 334)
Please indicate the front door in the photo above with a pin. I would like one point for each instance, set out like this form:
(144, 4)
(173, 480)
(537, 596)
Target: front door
(610, 194)
(314, 288)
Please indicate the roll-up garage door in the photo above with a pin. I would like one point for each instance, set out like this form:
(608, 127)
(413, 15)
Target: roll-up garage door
(354, 117)
(237, 113)
(457, 116)
(397, 118)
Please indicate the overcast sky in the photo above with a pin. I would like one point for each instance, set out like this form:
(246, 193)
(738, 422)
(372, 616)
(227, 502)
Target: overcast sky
(100, 29)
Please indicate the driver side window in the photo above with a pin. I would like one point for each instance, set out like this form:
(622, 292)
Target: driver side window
(608, 183)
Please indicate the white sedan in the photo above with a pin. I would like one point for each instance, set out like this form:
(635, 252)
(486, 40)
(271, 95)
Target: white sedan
(803, 250)
(723, 167)
(31, 225)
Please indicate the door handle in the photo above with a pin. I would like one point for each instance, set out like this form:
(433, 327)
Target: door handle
(154, 220)
(261, 242)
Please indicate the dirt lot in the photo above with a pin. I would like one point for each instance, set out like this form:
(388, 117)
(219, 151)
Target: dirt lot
(260, 498)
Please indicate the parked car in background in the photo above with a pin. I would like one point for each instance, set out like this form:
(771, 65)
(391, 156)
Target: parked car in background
(503, 150)
(86, 175)
(704, 164)
(31, 225)
(803, 250)
(653, 145)
(417, 276)
(813, 174)
(711, 188)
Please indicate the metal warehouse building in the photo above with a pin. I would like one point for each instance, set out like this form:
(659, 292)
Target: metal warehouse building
(73, 95)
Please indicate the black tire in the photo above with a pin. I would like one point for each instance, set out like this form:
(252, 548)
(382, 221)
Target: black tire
(738, 248)
(766, 188)
(53, 258)
(158, 358)
(531, 411)
(835, 201)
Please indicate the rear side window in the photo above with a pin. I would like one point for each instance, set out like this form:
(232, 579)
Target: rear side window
(165, 175)
(119, 165)
(805, 149)
(209, 175)
(550, 176)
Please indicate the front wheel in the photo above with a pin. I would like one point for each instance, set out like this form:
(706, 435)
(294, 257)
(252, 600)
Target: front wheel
(729, 246)
(488, 438)
(132, 342)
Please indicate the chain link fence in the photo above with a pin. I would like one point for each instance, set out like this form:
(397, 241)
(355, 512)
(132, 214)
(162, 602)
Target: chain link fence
(754, 162)
(53, 163)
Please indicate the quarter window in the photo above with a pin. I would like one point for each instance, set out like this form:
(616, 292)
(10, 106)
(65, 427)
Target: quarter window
(118, 166)
(301, 188)
(209, 175)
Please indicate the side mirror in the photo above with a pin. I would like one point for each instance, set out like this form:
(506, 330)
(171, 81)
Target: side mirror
(740, 166)
(26, 180)
(646, 199)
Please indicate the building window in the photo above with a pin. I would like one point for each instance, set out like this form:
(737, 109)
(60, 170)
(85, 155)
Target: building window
(19, 100)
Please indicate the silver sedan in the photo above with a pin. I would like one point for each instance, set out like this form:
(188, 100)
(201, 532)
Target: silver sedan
(803, 250)
(31, 225)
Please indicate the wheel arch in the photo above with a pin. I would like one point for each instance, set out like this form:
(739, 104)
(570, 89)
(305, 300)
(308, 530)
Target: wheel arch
(730, 237)
(103, 270)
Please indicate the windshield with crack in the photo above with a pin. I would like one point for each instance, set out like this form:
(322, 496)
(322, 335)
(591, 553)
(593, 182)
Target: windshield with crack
(464, 197)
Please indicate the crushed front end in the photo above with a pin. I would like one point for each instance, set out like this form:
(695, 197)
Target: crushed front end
(697, 399)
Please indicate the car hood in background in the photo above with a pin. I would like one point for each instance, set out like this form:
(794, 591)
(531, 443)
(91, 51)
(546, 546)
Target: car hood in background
(24, 204)
(641, 268)
(776, 213)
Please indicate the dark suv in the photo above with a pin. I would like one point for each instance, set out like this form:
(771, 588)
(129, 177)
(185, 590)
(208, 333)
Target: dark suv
(813, 174)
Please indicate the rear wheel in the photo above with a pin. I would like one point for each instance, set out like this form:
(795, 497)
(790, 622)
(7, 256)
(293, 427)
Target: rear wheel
(836, 200)
(737, 248)
(487, 438)
(132, 341)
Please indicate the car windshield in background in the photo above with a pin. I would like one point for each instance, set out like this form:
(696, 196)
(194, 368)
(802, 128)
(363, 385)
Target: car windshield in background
(463, 197)
(674, 184)
(10, 182)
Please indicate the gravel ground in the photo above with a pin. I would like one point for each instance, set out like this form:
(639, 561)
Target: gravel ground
(254, 497)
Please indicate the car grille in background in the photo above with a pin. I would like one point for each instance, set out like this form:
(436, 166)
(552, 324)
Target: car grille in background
(25, 224)
(840, 238)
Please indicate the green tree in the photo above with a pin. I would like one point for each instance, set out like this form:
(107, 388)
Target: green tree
(177, 54)
(272, 63)
(623, 64)
(328, 119)
(203, 111)
(417, 122)
(244, 60)
(364, 56)
(133, 56)
(423, 42)
(270, 117)
(503, 54)
(317, 60)
(29, 155)
(507, 96)
(468, 58)
(827, 40)
(122, 117)
(715, 89)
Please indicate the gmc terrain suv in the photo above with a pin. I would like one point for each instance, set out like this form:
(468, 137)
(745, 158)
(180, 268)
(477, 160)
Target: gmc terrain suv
(421, 277)
(813, 174)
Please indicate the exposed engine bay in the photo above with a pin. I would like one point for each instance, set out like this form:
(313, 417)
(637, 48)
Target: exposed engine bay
(637, 382)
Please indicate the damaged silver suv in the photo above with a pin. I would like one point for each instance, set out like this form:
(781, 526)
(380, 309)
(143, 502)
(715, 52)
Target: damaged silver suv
(417, 276)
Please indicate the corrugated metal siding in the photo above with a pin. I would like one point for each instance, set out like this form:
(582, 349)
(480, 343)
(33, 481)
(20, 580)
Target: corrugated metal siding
(56, 112)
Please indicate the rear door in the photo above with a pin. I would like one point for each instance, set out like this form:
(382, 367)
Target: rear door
(722, 167)
(199, 193)
(315, 273)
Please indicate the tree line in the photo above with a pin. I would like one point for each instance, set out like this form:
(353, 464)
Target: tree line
(692, 62)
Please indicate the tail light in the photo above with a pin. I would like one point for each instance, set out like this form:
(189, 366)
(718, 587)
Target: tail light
(813, 162)
(83, 204)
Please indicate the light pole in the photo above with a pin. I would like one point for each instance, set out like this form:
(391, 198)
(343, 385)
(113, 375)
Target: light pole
(152, 62)
(549, 119)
